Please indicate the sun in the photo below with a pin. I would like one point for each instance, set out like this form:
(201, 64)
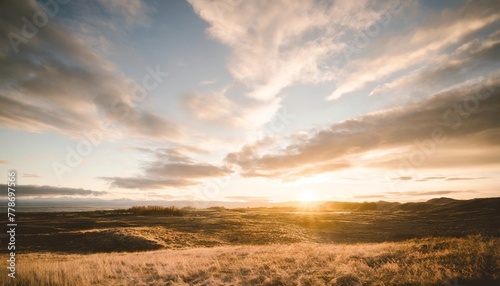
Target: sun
(307, 196)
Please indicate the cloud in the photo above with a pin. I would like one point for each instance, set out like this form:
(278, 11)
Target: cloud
(430, 179)
(56, 82)
(362, 197)
(428, 193)
(412, 194)
(403, 179)
(51, 191)
(276, 44)
(465, 179)
(132, 12)
(420, 47)
(207, 82)
(469, 60)
(145, 183)
(247, 198)
(470, 137)
(25, 175)
(462, 153)
(212, 106)
(172, 169)
(4, 162)
(438, 178)
(217, 108)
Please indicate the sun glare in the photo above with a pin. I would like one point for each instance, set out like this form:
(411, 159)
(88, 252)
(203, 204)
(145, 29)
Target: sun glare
(307, 196)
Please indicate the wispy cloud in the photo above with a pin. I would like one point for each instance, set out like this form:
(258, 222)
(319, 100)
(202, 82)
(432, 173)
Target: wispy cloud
(465, 178)
(428, 193)
(438, 178)
(403, 179)
(247, 198)
(399, 195)
(276, 44)
(35, 176)
(172, 169)
(56, 82)
(365, 197)
(51, 191)
(132, 12)
(469, 60)
(216, 107)
(421, 47)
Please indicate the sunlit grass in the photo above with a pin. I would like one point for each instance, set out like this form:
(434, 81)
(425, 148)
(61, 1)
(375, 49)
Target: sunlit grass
(416, 262)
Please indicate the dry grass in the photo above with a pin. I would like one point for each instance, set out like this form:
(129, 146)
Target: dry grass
(156, 210)
(122, 231)
(415, 262)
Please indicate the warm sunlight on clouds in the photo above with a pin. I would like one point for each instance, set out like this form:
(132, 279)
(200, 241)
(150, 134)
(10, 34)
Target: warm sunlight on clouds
(251, 101)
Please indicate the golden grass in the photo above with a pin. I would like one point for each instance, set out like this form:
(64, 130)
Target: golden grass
(431, 261)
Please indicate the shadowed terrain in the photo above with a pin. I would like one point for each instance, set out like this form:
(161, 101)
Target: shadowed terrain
(438, 242)
(332, 222)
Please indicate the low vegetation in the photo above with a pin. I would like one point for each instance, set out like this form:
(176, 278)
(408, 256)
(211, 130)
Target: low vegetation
(439, 242)
(153, 228)
(429, 261)
(156, 210)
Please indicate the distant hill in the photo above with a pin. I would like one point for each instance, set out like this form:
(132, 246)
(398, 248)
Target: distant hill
(434, 205)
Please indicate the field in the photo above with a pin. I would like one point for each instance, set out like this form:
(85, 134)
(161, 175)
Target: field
(441, 242)
(433, 261)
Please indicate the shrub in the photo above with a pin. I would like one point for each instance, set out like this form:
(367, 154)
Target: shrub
(156, 210)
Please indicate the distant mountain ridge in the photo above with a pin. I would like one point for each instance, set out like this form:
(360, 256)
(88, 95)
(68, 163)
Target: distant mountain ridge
(436, 204)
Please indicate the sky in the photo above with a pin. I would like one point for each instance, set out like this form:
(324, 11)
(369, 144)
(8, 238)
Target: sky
(250, 101)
